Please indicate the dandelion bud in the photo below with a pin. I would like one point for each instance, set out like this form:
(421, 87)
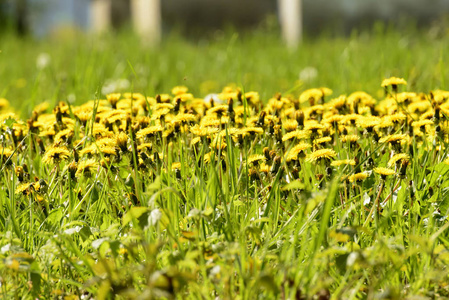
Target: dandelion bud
(19, 173)
(177, 105)
(271, 128)
(230, 105)
(122, 141)
(261, 120)
(278, 96)
(43, 186)
(276, 165)
(58, 113)
(272, 154)
(266, 153)
(113, 99)
(295, 172)
(72, 168)
(41, 145)
(436, 115)
(403, 169)
(231, 112)
(253, 174)
(412, 191)
(300, 118)
(329, 171)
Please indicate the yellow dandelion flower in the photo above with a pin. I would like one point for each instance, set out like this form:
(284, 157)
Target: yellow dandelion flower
(314, 94)
(322, 140)
(359, 96)
(63, 136)
(421, 123)
(290, 125)
(157, 114)
(47, 133)
(184, 97)
(350, 119)
(113, 98)
(218, 144)
(384, 171)
(297, 151)
(179, 90)
(255, 158)
(316, 109)
(384, 123)
(4, 104)
(393, 81)
(229, 131)
(6, 153)
(252, 97)
(99, 130)
(176, 166)
(310, 94)
(55, 154)
(332, 119)
(185, 117)
(86, 167)
(298, 134)
(134, 96)
(23, 188)
(41, 108)
(159, 106)
(313, 126)
(368, 122)
(208, 121)
(395, 138)
(149, 131)
(398, 157)
(121, 140)
(358, 177)
(321, 154)
(219, 109)
(145, 146)
(337, 103)
(83, 116)
(396, 118)
(251, 130)
(208, 157)
(195, 140)
(113, 116)
(202, 131)
(264, 168)
(405, 97)
(349, 138)
(337, 163)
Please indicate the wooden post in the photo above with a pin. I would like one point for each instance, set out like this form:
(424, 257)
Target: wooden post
(100, 15)
(21, 17)
(290, 15)
(146, 17)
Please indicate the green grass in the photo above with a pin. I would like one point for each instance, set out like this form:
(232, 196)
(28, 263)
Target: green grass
(254, 61)
(206, 230)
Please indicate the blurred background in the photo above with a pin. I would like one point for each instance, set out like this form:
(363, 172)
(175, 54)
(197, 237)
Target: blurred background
(75, 50)
(197, 17)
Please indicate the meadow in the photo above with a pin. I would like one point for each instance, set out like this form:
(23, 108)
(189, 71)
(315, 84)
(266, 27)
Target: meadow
(225, 168)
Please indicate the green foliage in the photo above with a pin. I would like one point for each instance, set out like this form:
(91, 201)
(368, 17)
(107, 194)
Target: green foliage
(147, 230)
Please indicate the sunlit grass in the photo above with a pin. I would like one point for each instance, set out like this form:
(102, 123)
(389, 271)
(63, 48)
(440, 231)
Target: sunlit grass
(159, 192)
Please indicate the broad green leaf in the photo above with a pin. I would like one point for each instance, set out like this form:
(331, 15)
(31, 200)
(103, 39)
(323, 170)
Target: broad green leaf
(134, 213)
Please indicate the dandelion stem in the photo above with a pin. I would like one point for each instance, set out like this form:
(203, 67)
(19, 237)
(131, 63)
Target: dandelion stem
(394, 189)
(375, 205)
